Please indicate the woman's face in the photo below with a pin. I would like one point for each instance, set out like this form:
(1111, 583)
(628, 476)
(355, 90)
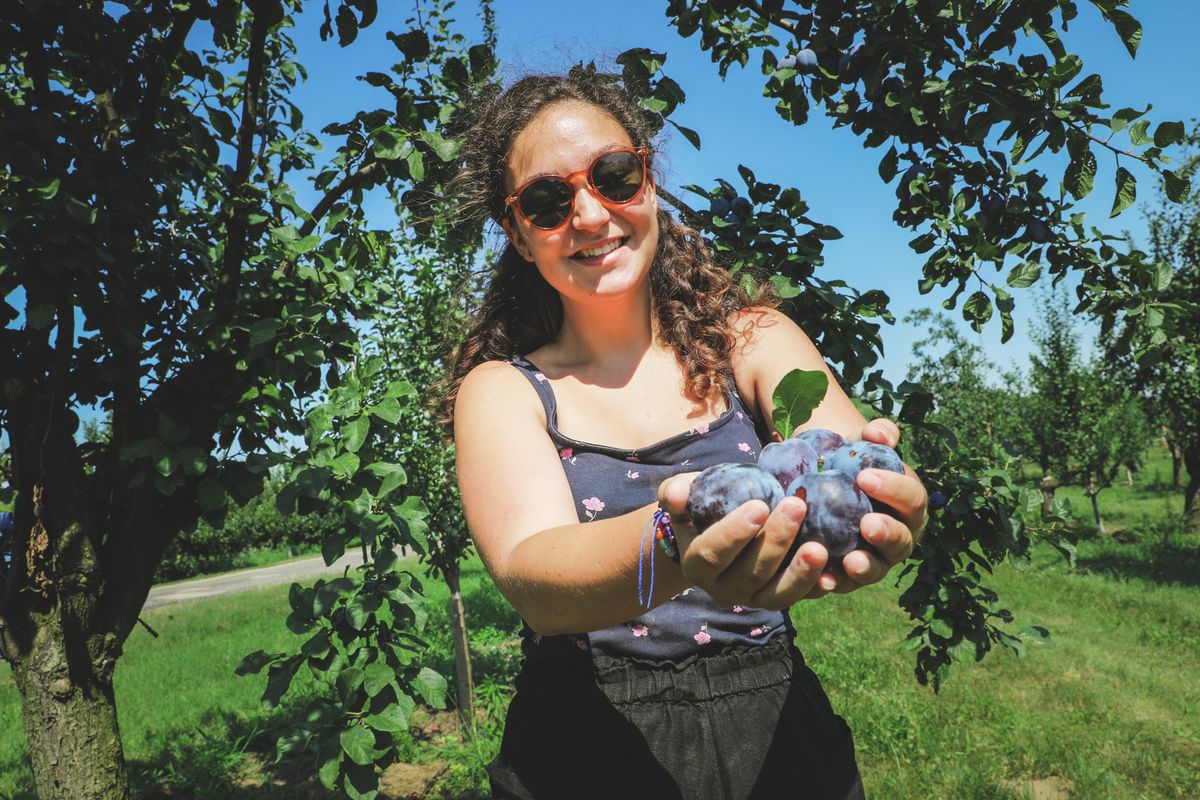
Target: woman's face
(564, 138)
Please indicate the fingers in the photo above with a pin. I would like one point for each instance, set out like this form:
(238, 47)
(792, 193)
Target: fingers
(902, 493)
(801, 579)
(708, 556)
(882, 430)
(762, 558)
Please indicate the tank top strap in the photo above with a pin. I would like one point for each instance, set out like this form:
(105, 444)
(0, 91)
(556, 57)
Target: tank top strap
(541, 385)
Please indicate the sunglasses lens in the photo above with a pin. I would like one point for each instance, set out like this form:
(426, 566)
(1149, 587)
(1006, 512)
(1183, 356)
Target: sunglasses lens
(546, 203)
(618, 176)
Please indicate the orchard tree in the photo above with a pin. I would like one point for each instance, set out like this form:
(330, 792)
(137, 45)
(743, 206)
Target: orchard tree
(1115, 432)
(1172, 380)
(954, 371)
(156, 265)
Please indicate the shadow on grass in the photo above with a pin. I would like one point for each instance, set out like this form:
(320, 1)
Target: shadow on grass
(1175, 561)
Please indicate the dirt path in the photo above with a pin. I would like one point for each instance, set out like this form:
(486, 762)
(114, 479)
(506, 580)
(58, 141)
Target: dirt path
(252, 578)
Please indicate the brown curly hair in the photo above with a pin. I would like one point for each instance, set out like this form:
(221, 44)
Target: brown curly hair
(693, 298)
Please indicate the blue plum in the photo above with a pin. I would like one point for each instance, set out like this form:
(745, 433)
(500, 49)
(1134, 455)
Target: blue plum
(937, 501)
(787, 460)
(806, 60)
(857, 456)
(720, 489)
(787, 62)
(836, 506)
(823, 441)
(742, 206)
(719, 207)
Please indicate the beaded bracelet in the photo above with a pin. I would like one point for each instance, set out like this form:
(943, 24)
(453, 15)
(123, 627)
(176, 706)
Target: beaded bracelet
(664, 537)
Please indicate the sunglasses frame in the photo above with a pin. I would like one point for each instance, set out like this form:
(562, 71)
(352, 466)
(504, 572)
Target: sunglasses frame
(512, 202)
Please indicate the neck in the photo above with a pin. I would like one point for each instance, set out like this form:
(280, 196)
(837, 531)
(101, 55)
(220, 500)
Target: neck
(611, 336)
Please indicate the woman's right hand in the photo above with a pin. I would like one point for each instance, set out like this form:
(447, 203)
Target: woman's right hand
(739, 559)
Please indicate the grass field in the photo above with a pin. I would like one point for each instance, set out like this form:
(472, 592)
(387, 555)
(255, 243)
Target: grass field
(1109, 709)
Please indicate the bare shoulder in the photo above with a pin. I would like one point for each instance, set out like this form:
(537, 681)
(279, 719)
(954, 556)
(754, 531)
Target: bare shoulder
(769, 344)
(495, 382)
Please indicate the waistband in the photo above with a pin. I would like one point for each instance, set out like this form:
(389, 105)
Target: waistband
(698, 678)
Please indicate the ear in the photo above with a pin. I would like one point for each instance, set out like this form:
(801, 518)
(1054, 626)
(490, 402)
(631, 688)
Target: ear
(652, 191)
(517, 238)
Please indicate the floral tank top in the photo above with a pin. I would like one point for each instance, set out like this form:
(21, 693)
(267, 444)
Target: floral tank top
(608, 482)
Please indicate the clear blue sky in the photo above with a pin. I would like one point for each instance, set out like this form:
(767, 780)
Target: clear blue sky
(738, 125)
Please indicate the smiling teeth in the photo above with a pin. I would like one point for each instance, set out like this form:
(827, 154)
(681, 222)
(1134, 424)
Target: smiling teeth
(599, 251)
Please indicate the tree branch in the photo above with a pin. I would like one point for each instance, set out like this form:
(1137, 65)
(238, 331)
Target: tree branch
(157, 69)
(235, 226)
(691, 217)
(352, 181)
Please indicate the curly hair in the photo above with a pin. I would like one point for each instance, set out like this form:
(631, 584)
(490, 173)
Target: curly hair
(693, 297)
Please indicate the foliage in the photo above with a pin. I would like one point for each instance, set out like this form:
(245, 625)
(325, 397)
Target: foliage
(257, 525)
(170, 277)
(963, 112)
(985, 419)
(1172, 382)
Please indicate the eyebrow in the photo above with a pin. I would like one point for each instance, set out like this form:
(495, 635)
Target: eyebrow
(595, 154)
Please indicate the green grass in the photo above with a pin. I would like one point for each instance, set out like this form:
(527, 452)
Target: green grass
(1108, 710)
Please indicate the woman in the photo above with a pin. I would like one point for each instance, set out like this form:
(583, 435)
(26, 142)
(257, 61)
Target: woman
(611, 361)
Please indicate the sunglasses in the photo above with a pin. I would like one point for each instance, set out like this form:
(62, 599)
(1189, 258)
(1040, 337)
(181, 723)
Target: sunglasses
(616, 177)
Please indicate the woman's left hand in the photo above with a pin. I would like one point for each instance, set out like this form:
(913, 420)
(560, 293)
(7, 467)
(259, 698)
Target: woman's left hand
(893, 536)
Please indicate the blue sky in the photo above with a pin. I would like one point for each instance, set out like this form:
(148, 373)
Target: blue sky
(738, 125)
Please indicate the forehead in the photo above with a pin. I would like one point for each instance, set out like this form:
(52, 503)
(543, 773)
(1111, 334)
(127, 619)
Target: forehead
(562, 138)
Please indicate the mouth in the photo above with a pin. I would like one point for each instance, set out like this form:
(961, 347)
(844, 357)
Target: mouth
(600, 250)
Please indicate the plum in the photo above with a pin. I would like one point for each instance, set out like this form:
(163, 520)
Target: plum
(788, 459)
(720, 489)
(857, 456)
(823, 441)
(937, 501)
(719, 206)
(806, 60)
(836, 506)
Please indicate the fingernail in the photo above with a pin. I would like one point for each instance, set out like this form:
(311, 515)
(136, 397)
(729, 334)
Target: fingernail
(828, 582)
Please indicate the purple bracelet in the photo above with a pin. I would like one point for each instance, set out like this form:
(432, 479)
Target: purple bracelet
(664, 536)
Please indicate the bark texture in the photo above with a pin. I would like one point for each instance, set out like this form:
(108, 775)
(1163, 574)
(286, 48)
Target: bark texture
(464, 677)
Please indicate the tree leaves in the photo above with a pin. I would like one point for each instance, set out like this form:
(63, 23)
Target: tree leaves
(1126, 191)
(798, 394)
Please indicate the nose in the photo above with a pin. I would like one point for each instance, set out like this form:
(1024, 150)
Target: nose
(589, 213)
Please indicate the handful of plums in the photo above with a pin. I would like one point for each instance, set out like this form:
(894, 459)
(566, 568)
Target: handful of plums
(816, 465)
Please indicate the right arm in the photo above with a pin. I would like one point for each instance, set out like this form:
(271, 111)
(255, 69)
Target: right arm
(561, 575)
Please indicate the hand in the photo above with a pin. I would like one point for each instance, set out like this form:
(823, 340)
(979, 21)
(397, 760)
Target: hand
(738, 558)
(893, 536)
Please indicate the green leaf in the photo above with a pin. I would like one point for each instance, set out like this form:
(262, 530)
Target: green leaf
(329, 771)
(888, 165)
(1177, 188)
(263, 331)
(393, 718)
(431, 687)
(1081, 174)
(798, 394)
(376, 677)
(388, 409)
(1025, 274)
(1164, 273)
(1126, 191)
(359, 743)
(344, 466)
(687, 133)
(210, 494)
(445, 148)
(49, 190)
(392, 476)
(939, 627)
(1137, 134)
(354, 432)
(1128, 28)
(254, 662)
(978, 310)
(279, 678)
(1168, 133)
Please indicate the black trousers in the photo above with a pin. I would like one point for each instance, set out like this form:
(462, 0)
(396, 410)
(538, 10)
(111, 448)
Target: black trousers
(749, 722)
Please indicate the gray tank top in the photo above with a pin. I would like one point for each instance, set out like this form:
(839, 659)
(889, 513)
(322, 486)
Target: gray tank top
(608, 482)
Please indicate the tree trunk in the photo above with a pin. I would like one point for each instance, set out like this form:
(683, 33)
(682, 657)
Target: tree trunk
(462, 649)
(1176, 466)
(1191, 503)
(1048, 485)
(1093, 493)
(1128, 477)
(70, 719)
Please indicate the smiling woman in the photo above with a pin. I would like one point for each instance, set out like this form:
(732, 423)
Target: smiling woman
(610, 360)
